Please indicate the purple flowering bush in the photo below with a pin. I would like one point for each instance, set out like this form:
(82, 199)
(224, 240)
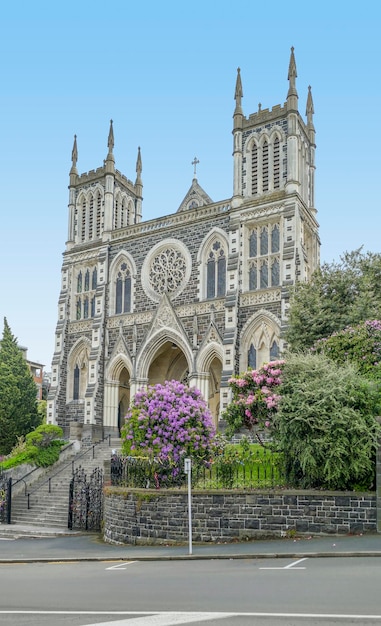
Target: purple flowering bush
(255, 398)
(169, 422)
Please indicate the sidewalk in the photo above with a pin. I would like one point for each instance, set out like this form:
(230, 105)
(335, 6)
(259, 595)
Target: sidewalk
(42, 544)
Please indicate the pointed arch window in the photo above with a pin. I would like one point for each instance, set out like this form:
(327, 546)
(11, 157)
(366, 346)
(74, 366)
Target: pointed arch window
(265, 166)
(86, 308)
(276, 163)
(87, 280)
(94, 279)
(93, 306)
(79, 282)
(274, 351)
(275, 273)
(76, 383)
(254, 170)
(252, 357)
(78, 309)
(216, 272)
(253, 244)
(253, 282)
(91, 217)
(123, 290)
(99, 215)
(264, 241)
(83, 220)
(264, 278)
(275, 239)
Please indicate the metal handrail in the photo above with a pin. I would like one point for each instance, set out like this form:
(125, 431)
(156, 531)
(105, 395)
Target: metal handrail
(48, 480)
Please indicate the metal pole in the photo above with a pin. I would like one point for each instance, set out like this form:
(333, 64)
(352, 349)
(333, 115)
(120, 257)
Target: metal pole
(188, 470)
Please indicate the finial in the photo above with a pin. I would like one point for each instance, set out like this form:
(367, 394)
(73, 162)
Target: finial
(259, 107)
(110, 142)
(238, 94)
(195, 162)
(74, 152)
(292, 95)
(139, 163)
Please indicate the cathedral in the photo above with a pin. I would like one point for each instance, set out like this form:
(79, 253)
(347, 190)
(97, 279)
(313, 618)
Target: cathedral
(197, 295)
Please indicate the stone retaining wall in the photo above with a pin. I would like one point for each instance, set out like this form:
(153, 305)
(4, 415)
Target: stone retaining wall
(149, 516)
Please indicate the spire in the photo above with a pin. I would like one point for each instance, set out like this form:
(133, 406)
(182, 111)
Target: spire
(110, 142)
(309, 107)
(238, 92)
(138, 167)
(110, 161)
(292, 96)
(74, 157)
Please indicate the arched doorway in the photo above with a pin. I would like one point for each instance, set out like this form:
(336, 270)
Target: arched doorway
(123, 396)
(169, 363)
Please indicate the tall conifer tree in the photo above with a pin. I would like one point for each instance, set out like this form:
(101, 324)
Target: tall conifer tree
(18, 393)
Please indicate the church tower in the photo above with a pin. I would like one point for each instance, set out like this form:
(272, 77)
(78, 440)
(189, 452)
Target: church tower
(197, 295)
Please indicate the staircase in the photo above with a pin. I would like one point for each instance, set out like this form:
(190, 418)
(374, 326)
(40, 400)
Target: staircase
(45, 502)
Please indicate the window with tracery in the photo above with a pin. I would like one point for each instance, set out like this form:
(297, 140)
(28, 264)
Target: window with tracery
(252, 357)
(123, 289)
(264, 247)
(216, 271)
(85, 296)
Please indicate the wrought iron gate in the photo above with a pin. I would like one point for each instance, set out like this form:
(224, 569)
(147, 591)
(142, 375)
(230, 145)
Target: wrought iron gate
(5, 498)
(86, 500)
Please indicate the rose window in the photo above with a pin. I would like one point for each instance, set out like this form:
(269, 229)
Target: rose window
(167, 271)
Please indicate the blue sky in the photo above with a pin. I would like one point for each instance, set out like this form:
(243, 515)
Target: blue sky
(165, 73)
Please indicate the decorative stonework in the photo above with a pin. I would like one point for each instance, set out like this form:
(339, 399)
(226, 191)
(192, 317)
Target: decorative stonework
(261, 297)
(80, 327)
(166, 270)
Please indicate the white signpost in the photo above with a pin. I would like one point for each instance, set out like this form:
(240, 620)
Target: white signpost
(188, 470)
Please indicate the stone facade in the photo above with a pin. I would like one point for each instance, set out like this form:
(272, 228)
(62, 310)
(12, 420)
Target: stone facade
(143, 517)
(197, 295)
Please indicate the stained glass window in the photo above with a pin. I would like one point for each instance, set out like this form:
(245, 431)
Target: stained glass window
(275, 239)
(76, 383)
(253, 283)
(79, 282)
(264, 241)
(252, 357)
(94, 279)
(275, 274)
(253, 248)
(264, 276)
(274, 351)
(87, 280)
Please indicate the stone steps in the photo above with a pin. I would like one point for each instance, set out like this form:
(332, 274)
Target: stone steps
(50, 508)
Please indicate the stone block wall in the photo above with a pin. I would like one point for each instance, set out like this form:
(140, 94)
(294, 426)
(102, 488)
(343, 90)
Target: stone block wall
(148, 516)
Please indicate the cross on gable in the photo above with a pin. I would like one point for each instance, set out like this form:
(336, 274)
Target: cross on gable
(195, 163)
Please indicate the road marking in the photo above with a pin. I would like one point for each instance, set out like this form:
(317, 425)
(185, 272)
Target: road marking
(171, 618)
(290, 566)
(6, 539)
(120, 565)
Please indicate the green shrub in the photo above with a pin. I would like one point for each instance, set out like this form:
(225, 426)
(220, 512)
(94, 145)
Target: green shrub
(325, 424)
(44, 435)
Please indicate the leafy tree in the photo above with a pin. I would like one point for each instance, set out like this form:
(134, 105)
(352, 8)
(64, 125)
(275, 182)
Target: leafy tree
(360, 345)
(326, 423)
(18, 393)
(338, 295)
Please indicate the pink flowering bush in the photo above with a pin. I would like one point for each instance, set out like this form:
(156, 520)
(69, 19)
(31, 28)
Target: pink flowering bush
(255, 398)
(169, 422)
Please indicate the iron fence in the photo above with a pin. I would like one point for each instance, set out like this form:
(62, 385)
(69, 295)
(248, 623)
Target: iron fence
(262, 470)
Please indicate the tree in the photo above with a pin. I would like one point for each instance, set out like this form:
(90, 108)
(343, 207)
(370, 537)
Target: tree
(360, 345)
(326, 423)
(18, 393)
(338, 295)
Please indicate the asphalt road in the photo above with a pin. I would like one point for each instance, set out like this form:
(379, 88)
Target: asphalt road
(215, 592)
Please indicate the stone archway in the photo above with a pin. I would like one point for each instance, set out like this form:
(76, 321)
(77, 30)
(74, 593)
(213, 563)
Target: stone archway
(168, 363)
(123, 396)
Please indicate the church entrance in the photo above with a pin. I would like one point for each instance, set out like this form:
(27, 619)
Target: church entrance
(123, 397)
(169, 363)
